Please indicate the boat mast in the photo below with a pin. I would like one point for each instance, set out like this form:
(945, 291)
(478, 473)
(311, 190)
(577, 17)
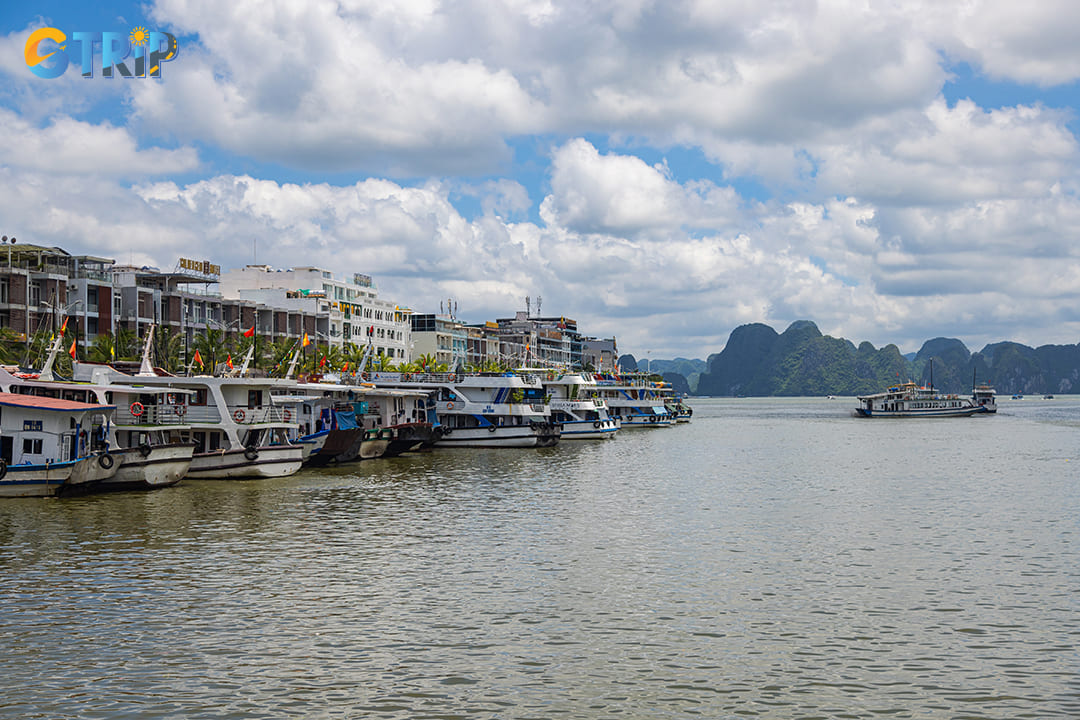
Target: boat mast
(146, 369)
(46, 372)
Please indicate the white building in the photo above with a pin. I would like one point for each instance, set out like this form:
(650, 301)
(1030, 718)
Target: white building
(353, 310)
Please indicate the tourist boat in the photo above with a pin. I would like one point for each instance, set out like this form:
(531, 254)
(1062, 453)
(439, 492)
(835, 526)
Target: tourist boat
(45, 446)
(146, 435)
(985, 397)
(577, 406)
(635, 401)
(235, 429)
(481, 410)
(911, 400)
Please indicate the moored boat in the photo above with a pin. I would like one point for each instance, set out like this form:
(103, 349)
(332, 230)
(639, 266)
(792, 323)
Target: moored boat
(635, 401)
(577, 406)
(45, 446)
(236, 431)
(482, 410)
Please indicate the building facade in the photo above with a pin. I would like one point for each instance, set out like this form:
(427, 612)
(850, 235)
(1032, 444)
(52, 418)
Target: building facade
(345, 311)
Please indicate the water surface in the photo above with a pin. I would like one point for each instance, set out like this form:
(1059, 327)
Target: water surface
(776, 558)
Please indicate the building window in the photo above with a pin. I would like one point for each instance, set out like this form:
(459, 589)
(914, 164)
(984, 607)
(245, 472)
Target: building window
(3, 290)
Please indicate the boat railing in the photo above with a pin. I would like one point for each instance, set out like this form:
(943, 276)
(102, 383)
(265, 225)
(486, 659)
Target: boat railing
(137, 414)
(202, 414)
(441, 377)
(243, 415)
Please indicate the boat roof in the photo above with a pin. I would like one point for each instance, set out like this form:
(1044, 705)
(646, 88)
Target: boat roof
(37, 402)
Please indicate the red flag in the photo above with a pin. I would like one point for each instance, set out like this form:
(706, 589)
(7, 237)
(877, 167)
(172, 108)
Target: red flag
(306, 341)
(198, 357)
(250, 331)
(345, 367)
(71, 352)
(228, 361)
(322, 363)
(64, 326)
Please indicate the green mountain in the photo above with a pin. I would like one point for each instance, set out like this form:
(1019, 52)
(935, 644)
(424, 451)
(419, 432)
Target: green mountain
(758, 361)
(802, 361)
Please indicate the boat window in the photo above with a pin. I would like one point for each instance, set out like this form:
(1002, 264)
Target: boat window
(254, 398)
(31, 446)
(199, 398)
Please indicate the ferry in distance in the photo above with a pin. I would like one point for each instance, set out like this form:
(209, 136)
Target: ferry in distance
(911, 400)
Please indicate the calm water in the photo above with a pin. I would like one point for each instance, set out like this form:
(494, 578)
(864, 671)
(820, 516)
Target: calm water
(773, 559)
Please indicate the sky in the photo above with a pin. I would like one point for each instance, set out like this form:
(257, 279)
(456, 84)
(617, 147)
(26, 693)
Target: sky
(660, 171)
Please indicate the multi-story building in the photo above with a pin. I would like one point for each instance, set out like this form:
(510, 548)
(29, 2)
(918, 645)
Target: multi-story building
(600, 354)
(34, 289)
(442, 337)
(345, 311)
(545, 341)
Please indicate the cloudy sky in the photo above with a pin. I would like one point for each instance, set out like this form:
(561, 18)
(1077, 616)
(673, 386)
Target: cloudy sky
(662, 171)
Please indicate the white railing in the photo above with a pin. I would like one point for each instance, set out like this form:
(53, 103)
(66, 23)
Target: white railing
(250, 416)
(151, 415)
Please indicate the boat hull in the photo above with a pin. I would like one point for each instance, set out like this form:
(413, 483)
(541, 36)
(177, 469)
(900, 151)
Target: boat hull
(160, 466)
(46, 480)
(264, 462)
(509, 436)
(337, 446)
(586, 430)
(930, 413)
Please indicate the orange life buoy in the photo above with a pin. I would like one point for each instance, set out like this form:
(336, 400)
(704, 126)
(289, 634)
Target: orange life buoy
(137, 408)
(287, 415)
(238, 416)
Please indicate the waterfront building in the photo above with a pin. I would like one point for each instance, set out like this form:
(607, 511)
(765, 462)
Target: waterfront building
(600, 354)
(345, 311)
(553, 341)
(441, 336)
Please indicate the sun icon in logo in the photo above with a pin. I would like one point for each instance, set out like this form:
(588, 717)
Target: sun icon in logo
(139, 36)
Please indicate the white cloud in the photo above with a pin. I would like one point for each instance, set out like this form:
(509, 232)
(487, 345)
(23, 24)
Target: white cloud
(68, 146)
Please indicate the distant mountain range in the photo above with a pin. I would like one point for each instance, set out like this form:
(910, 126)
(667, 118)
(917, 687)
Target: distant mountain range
(683, 374)
(802, 362)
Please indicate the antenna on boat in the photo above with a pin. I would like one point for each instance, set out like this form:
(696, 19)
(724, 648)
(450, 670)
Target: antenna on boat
(931, 373)
(46, 372)
(146, 369)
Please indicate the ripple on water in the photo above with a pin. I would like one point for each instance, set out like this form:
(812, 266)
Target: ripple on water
(772, 559)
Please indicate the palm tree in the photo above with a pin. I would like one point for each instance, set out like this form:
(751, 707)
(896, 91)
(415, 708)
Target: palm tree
(127, 345)
(11, 348)
(169, 345)
(101, 350)
(211, 349)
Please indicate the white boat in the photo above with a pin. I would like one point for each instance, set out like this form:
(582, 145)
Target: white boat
(481, 410)
(577, 406)
(235, 429)
(911, 400)
(635, 401)
(986, 397)
(146, 436)
(45, 446)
